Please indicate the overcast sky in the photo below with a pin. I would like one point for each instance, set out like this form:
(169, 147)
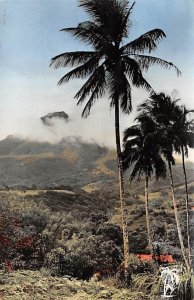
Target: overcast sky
(30, 37)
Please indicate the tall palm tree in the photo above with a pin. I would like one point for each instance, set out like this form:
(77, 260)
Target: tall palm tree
(111, 66)
(162, 109)
(183, 129)
(141, 151)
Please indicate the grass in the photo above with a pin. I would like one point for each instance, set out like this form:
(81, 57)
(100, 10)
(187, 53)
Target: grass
(39, 285)
(33, 285)
(154, 195)
(70, 155)
(100, 164)
(29, 158)
(91, 187)
(24, 192)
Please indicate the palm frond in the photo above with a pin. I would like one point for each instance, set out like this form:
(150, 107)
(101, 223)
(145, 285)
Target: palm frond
(146, 122)
(146, 42)
(126, 22)
(145, 61)
(145, 106)
(131, 132)
(113, 85)
(142, 150)
(137, 169)
(90, 84)
(81, 71)
(167, 151)
(190, 139)
(113, 80)
(97, 93)
(135, 142)
(125, 94)
(90, 34)
(111, 15)
(160, 106)
(160, 167)
(186, 150)
(98, 10)
(134, 73)
(71, 58)
(129, 156)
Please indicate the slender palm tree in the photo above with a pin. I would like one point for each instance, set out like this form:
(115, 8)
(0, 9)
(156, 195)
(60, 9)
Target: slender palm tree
(162, 109)
(111, 66)
(141, 151)
(183, 129)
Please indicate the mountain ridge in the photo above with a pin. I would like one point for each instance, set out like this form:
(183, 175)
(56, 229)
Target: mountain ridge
(70, 162)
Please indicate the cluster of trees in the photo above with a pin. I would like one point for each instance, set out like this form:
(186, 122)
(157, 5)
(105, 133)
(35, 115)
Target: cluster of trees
(95, 247)
(69, 235)
(34, 238)
(163, 128)
(112, 66)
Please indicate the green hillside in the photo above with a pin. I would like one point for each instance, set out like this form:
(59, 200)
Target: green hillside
(70, 162)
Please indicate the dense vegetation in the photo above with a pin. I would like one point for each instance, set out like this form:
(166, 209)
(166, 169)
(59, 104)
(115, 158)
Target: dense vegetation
(77, 234)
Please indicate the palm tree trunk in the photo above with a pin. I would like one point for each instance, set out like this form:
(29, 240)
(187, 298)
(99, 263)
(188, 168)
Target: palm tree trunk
(187, 206)
(177, 218)
(147, 216)
(122, 192)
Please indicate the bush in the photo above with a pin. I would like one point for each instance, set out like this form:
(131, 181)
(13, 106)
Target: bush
(138, 240)
(35, 220)
(110, 232)
(83, 257)
(21, 240)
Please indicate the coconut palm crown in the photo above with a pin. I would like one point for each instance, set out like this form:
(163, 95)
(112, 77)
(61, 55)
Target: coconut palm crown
(110, 65)
(141, 150)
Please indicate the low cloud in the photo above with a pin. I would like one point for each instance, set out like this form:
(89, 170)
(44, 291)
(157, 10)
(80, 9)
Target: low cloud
(48, 118)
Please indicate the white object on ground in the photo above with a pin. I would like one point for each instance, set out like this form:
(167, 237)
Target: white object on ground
(171, 279)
